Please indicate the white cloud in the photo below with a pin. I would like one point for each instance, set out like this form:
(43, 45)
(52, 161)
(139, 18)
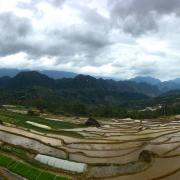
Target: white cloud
(92, 36)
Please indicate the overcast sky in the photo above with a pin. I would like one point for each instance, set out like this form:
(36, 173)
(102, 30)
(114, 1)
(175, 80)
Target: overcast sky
(117, 38)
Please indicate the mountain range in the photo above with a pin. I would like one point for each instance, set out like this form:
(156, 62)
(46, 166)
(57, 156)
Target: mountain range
(50, 73)
(79, 95)
(146, 79)
(164, 86)
(26, 79)
(84, 94)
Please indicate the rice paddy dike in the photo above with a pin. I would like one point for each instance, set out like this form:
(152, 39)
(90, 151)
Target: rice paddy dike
(54, 148)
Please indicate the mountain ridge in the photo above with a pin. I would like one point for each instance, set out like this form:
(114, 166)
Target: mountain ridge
(34, 78)
(146, 79)
(50, 73)
(163, 86)
(81, 95)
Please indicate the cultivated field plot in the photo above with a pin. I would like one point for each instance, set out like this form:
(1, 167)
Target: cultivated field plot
(26, 170)
(119, 149)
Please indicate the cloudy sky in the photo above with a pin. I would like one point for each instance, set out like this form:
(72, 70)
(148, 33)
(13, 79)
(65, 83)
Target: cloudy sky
(117, 38)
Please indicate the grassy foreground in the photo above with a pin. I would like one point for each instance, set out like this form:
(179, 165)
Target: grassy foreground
(20, 120)
(26, 170)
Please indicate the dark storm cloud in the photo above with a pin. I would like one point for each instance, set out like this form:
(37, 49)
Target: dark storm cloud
(84, 39)
(78, 40)
(140, 16)
(12, 25)
(146, 71)
(93, 38)
(13, 32)
(69, 42)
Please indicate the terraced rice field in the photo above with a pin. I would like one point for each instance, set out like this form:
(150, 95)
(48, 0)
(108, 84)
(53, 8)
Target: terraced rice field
(111, 151)
(26, 170)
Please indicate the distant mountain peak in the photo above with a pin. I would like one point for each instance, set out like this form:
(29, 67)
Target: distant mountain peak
(177, 80)
(31, 74)
(31, 78)
(146, 79)
(84, 77)
(55, 74)
(26, 73)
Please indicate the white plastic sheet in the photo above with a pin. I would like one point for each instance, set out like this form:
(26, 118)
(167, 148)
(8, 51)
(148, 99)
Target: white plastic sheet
(62, 164)
(38, 125)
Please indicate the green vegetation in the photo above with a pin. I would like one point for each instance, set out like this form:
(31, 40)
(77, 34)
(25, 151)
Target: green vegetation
(24, 154)
(79, 96)
(20, 120)
(15, 150)
(86, 96)
(27, 170)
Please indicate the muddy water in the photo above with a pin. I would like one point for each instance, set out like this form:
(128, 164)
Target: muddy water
(160, 167)
(40, 137)
(53, 139)
(31, 144)
(141, 136)
(118, 146)
(161, 149)
(174, 176)
(103, 153)
(115, 170)
(79, 157)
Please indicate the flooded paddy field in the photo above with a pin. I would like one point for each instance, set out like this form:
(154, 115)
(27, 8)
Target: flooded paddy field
(118, 149)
